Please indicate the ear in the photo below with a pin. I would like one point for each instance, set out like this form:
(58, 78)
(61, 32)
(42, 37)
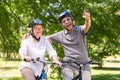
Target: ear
(61, 25)
(72, 19)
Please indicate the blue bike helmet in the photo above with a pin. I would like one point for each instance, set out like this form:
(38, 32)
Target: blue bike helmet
(35, 22)
(31, 24)
(62, 15)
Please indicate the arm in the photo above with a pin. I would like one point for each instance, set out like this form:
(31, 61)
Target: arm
(25, 58)
(23, 52)
(56, 37)
(48, 38)
(52, 53)
(87, 24)
(55, 59)
(27, 35)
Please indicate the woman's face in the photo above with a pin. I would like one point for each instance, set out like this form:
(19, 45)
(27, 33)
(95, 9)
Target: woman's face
(67, 23)
(37, 30)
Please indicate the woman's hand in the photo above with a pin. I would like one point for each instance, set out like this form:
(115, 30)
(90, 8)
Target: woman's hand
(58, 63)
(27, 59)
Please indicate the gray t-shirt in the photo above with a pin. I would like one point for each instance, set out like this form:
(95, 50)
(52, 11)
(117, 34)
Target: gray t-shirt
(73, 43)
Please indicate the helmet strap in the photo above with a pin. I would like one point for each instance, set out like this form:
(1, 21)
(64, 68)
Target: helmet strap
(38, 39)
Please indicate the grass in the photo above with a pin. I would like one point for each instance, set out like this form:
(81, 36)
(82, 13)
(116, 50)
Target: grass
(110, 71)
(9, 70)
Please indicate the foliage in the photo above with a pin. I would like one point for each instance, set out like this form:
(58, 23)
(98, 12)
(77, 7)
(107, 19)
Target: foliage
(8, 31)
(103, 38)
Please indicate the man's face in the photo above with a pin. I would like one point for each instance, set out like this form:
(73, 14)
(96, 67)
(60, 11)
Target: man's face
(67, 23)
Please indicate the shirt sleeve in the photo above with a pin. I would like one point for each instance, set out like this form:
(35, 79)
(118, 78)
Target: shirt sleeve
(55, 37)
(50, 50)
(23, 48)
(81, 29)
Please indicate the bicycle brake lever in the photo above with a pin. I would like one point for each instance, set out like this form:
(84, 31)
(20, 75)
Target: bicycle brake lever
(38, 59)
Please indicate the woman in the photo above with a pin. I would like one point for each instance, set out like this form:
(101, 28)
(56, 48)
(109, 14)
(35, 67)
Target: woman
(33, 47)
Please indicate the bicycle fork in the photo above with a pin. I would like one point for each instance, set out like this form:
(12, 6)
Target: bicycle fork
(79, 76)
(43, 76)
(80, 73)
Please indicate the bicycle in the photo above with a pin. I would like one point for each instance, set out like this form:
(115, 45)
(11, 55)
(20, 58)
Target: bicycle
(43, 75)
(80, 64)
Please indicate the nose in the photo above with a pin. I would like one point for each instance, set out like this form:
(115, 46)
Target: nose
(66, 21)
(39, 29)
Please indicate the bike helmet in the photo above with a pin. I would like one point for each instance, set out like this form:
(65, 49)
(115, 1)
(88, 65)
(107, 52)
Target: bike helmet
(30, 26)
(62, 15)
(34, 22)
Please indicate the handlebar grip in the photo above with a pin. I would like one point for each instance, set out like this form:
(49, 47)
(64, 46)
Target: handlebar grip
(32, 59)
(24, 59)
(38, 59)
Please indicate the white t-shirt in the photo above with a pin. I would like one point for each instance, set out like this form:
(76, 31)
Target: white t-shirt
(34, 50)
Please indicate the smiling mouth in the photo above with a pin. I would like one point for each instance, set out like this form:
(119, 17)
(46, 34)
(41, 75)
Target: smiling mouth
(68, 25)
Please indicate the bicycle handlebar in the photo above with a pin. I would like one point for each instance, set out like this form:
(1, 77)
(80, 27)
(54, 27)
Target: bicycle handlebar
(53, 63)
(81, 63)
(43, 61)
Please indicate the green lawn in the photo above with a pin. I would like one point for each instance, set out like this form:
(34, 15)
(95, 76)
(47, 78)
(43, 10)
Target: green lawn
(110, 71)
(9, 70)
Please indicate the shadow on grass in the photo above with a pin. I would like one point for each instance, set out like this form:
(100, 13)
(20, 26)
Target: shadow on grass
(14, 78)
(106, 77)
(107, 68)
(8, 68)
(113, 61)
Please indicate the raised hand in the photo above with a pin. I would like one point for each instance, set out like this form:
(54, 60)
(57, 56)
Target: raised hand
(86, 15)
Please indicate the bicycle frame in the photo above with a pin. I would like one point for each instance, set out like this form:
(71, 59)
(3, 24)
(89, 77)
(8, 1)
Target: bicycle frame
(80, 64)
(43, 75)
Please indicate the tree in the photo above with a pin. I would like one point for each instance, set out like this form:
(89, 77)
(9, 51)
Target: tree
(103, 39)
(8, 31)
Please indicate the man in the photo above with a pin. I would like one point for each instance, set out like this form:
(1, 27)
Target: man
(72, 39)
